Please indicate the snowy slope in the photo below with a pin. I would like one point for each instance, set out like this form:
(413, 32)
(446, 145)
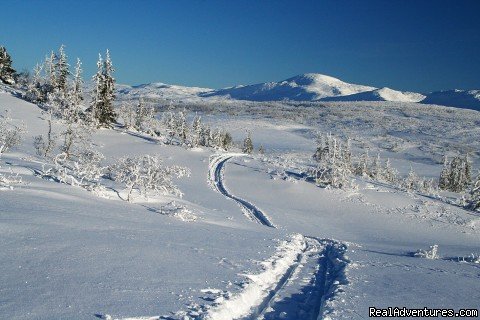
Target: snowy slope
(383, 94)
(455, 98)
(306, 87)
(68, 254)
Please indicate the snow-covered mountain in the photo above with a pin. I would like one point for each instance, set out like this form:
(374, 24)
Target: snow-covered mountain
(160, 91)
(383, 94)
(455, 98)
(305, 87)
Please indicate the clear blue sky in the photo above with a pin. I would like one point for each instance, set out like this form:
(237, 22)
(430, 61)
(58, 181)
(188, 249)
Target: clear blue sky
(417, 45)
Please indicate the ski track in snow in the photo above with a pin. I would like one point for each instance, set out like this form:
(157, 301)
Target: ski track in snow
(297, 283)
(216, 177)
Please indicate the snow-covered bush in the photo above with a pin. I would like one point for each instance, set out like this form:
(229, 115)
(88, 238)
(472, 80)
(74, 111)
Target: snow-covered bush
(148, 175)
(10, 136)
(177, 211)
(432, 253)
(82, 169)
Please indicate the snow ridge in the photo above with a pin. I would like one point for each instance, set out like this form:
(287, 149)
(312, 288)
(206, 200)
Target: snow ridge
(215, 177)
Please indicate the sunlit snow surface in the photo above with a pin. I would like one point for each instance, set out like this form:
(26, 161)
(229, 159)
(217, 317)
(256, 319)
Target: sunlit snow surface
(68, 254)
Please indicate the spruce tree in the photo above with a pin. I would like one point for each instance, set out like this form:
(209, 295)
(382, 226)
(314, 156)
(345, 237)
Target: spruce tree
(61, 70)
(248, 144)
(101, 107)
(7, 73)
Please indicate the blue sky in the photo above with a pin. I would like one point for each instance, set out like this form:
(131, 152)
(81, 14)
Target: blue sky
(416, 45)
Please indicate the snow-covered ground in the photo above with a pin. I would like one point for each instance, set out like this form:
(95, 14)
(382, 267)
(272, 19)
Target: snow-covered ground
(258, 244)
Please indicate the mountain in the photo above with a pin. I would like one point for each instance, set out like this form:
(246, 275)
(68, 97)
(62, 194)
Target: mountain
(383, 94)
(160, 91)
(455, 98)
(306, 87)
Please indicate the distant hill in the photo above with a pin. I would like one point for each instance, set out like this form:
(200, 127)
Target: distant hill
(455, 98)
(306, 87)
(383, 94)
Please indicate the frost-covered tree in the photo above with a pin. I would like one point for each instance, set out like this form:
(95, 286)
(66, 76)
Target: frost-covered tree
(101, 106)
(61, 70)
(248, 144)
(7, 73)
(333, 163)
(411, 182)
(196, 131)
(474, 195)
(76, 93)
(376, 171)
(127, 113)
(456, 175)
(148, 175)
(361, 169)
(390, 174)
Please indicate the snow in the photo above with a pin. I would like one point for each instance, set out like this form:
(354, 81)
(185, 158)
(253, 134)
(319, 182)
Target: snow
(455, 98)
(383, 94)
(69, 254)
(306, 87)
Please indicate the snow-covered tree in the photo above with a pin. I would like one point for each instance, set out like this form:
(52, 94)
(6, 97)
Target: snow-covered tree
(76, 94)
(61, 70)
(333, 166)
(390, 174)
(248, 144)
(376, 171)
(196, 131)
(101, 106)
(456, 175)
(361, 169)
(7, 73)
(148, 175)
(474, 195)
(411, 182)
(127, 113)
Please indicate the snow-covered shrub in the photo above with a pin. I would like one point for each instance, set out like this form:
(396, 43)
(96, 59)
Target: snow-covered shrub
(432, 253)
(148, 175)
(81, 169)
(177, 211)
(10, 136)
(334, 167)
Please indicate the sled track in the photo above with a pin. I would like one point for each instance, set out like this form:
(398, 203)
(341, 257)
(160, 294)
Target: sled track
(302, 291)
(217, 165)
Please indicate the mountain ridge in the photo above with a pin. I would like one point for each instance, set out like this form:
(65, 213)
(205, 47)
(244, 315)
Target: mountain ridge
(304, 87)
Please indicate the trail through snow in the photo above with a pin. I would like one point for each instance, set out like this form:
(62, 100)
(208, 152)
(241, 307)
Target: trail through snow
(297, 282)
(215, 175)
